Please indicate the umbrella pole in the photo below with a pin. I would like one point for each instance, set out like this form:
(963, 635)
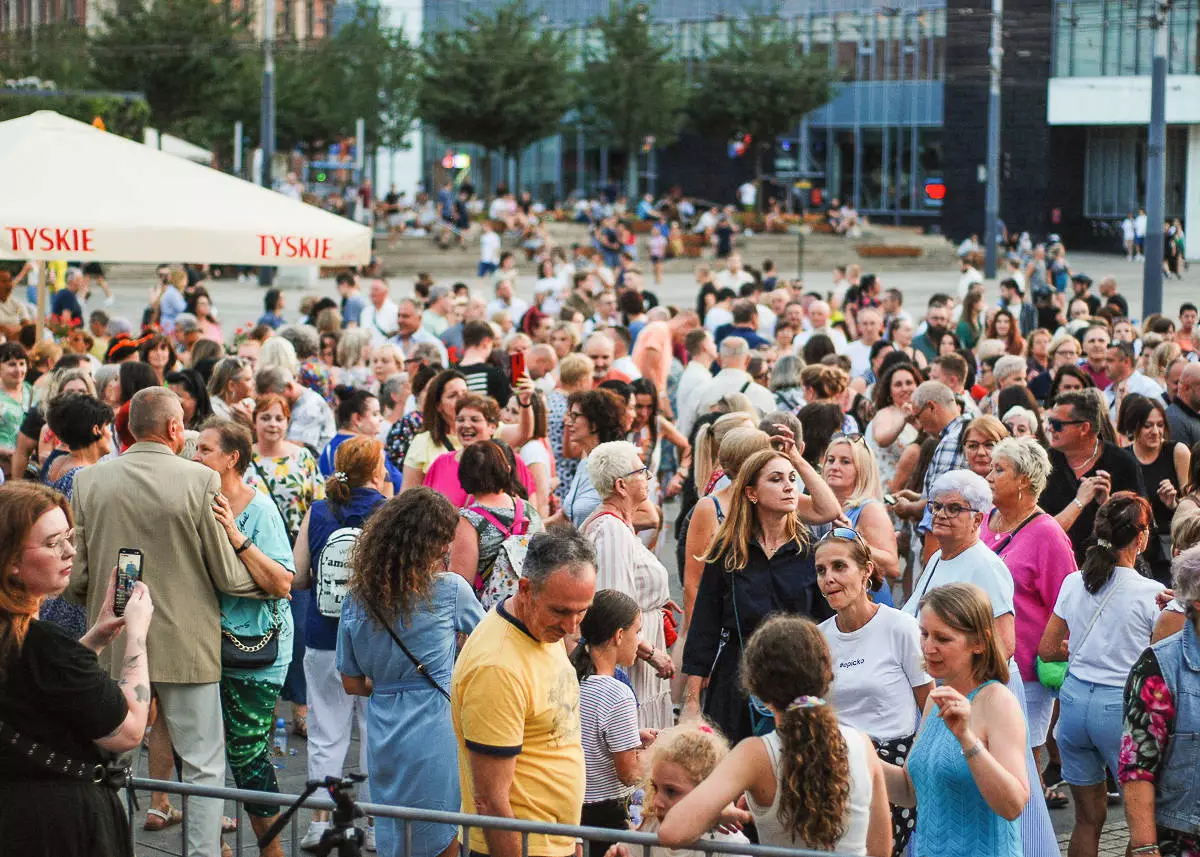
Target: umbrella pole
(43, 290)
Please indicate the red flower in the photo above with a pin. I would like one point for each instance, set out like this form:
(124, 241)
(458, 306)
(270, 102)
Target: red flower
(1157, 696)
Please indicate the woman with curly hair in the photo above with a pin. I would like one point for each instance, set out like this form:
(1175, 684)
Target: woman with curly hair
(396, 646)
(810, 783)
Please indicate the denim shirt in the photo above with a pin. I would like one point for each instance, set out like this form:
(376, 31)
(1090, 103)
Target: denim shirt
(1177, 792)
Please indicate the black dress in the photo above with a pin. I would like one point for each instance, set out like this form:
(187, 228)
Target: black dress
(1153, 474)
(1061, 487)
(785, 583)
(55, 693)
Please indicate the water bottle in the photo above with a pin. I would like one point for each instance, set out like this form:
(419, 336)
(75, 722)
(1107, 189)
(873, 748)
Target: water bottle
(280, 745)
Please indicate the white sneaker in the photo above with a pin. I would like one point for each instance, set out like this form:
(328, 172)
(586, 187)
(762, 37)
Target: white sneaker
(369, 844)
(311, 839)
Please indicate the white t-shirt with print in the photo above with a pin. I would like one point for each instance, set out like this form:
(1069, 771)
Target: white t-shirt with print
(1120, 634)
(874, 671)
(978, 565)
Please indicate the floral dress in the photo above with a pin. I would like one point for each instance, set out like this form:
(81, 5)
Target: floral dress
(293, 482)
(1149, 723)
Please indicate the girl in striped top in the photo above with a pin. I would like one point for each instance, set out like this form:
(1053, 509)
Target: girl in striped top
(612, 743)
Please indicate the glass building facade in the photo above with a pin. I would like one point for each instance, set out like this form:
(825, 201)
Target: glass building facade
(876, 143)
(1110, 38)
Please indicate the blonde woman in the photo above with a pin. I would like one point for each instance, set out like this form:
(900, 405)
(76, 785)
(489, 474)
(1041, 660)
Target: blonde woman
(353, 352)
(759, 563)
(850, 470)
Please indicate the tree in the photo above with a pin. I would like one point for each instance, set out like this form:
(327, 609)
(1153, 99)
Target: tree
(196, 65)
(52, 52)
(631, 89)
(759, 83)
(365, 70)
(499, 82)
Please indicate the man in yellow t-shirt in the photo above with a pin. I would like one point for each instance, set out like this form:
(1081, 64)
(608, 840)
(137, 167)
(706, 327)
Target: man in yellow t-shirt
(515, 701)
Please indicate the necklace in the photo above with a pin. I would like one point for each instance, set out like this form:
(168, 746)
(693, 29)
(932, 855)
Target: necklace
(1083, 466)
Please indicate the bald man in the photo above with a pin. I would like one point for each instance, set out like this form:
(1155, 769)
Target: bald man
(600, 348)
(152, 500)
(1183, 414)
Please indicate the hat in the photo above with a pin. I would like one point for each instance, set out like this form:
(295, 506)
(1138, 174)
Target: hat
(1081, 278)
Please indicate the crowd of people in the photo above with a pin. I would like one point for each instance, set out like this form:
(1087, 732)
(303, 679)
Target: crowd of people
(446, 520)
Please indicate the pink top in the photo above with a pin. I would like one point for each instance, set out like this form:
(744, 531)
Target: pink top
(1039, 558)
(442, 476)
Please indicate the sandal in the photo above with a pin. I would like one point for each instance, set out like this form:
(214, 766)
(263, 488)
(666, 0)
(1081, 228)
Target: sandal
(226, 851)
(161, 819)
(1055, 799)
(228, 825)
(300, 725)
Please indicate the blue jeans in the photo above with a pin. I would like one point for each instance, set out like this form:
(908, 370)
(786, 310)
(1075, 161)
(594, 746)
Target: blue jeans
(1090, 721)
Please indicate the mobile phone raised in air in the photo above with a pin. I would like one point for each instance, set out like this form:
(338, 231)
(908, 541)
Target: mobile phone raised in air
(516, 366)
(889, 499)
(129, 572)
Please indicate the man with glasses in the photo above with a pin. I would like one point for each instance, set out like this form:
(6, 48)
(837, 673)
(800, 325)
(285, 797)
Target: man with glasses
(1085, 469)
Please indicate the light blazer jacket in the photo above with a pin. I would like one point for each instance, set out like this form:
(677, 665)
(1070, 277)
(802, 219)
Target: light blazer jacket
(152, 500)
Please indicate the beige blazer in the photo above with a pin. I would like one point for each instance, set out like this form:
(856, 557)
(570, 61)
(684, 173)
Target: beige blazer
(152, 500)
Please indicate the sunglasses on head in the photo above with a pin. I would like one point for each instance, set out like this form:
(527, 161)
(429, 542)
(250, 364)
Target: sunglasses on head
(845, 534)
(850, 437)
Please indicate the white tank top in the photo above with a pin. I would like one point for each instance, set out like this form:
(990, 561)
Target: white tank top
(858, 810)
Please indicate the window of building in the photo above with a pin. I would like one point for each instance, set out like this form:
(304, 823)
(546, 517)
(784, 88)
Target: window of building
(1115, 171)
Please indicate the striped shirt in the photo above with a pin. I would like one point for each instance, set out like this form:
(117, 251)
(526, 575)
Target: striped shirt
(609, 722)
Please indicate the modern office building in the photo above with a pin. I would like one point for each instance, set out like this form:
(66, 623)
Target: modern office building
(877, 142)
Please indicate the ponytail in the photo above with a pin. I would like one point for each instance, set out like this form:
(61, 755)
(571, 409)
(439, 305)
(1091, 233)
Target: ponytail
(704, 458)
(611, 611)
(1118, 524)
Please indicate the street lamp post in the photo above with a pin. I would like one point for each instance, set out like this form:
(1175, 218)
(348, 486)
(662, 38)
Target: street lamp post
(992, 200)
(1152, 276)
(267, 133)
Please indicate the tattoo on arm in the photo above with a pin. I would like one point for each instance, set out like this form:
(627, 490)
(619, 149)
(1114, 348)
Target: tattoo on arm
(141, 693)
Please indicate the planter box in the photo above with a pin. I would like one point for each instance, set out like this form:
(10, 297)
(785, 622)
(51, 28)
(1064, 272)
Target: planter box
(886, 251)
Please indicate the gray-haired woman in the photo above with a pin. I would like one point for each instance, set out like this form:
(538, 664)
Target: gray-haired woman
(1159, 749)
(624, 563)
(785, 383)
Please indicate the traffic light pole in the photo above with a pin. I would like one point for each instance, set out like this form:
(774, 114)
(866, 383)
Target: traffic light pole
(1152, 272)
(992, 199)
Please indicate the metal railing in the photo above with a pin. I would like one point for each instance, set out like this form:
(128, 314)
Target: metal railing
(407, 815)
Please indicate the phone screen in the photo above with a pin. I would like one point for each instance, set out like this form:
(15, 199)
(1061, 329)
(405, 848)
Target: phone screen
(129, 572)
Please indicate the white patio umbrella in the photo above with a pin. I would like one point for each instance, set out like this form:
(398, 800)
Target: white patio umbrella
(75, 192)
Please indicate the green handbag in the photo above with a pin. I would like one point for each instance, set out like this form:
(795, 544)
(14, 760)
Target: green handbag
(1051, 674)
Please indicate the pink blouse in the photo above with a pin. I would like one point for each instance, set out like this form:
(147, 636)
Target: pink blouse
(442, 476)
(1039, 558)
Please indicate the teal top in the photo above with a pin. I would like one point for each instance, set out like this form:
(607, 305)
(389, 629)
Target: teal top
(253, 617)
(953, 819)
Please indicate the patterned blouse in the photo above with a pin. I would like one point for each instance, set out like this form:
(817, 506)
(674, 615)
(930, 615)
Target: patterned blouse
(556, 416)
(1149, 723)
(401, 434)
(316, 376)
(293, 482)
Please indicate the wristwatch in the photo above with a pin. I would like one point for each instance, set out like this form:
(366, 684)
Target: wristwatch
(245, 546)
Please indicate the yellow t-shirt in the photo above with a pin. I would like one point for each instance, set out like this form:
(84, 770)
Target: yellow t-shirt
(422, 451)
(514, 696)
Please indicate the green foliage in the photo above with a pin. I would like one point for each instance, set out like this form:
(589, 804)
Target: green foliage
(55, 52)
(197, 67)
(365, 70)
(630, 87)
(126, 115)
(760, 83)
(500, 82)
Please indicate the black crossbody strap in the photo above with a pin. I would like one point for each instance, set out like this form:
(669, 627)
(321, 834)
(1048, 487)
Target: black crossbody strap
(100, 774)
(416, 663)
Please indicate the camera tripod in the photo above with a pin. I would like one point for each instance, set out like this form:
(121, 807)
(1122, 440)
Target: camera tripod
(342, 837)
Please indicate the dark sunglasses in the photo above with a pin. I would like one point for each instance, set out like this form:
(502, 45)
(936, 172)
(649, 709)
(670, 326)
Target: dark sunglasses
(1055, 424)
(851, 437)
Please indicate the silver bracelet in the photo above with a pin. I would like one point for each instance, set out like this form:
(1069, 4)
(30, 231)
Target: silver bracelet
(975, 750)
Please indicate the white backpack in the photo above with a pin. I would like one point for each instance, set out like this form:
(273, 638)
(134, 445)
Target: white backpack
(335, 565)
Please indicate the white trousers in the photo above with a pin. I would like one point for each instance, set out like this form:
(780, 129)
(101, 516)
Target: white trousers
(193, 715)
(331, 715)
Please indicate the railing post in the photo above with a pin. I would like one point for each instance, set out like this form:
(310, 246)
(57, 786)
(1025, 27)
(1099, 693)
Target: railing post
(237, 833)
(524, 844)
(407, 850)
(183, 828)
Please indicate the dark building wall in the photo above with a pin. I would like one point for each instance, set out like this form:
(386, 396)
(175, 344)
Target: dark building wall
(1025, 162)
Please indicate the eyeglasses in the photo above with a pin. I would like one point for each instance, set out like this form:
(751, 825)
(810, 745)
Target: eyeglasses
(59, 544)
(850, 437)
(844, 533)
(641, 472)
(571, 416)
(1055, 424)
(952, 510)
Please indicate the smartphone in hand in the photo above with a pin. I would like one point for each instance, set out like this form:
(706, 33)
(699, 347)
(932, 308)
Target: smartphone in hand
(516, 366)
(129, 572)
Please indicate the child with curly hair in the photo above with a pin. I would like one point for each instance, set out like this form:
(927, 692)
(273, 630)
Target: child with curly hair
(812, 783)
